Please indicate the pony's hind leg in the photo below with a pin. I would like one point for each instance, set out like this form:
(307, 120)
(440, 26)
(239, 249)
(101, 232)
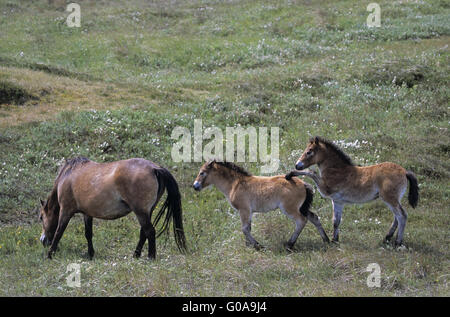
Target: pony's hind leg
(88, 235)
(147, 233)
(401, 226)
(300, 223)
(391, 230)
(400, 217)
(151, 236)
(316, 222)
(293, 211)
(392, 199)
(140, 245)
(391, 194)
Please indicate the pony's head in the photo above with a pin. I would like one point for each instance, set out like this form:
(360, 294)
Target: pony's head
(48, 214)
(204, 176)
(319, 150)
(313, 154)
(216, 172)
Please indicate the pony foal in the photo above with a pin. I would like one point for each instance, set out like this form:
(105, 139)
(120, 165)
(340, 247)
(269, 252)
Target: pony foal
(344, 183)
(249, 194)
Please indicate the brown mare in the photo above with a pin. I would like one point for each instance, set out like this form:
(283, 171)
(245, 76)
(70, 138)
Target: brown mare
(344, 183)
(249, 194)
(110, 191)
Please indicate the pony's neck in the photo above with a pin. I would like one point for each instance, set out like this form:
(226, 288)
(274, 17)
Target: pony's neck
(52, 200)
(332, 160)
(225, 184)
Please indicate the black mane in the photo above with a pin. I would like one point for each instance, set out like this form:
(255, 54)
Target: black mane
(234, 167)
(344, 157)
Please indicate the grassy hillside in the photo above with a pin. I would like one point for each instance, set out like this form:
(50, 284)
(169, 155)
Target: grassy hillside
(117, 86)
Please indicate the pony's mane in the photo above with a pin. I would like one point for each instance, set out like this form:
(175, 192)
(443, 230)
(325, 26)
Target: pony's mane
(70, 164)
(234, 167)
(52, 203)
(330, 145)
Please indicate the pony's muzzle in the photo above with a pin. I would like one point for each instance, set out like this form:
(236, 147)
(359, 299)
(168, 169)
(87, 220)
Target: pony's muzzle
(45, 241)
(299, 166)
(197, 186)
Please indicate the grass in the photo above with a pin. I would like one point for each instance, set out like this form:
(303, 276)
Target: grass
(116, 87)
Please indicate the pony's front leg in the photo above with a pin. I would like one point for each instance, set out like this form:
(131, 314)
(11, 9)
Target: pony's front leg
(313, 175)
(321, 187)
(63, 221)
(337, 215)
(246, 225)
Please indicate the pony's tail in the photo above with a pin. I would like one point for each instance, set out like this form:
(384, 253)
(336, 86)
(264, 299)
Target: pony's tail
(171, 207)
(304, 209)
(413, 195)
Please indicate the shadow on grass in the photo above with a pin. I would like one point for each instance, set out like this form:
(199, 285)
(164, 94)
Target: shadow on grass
(301, 247)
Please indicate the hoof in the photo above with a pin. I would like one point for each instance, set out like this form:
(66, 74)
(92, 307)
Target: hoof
(387, 240)
(289, 247)
(401, 247)
(255, 245)
(90, 253)
(137, 254)
(258, 247)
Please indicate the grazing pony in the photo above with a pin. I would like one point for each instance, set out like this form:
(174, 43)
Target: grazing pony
(344, 183)
(249, 194)
(110, 191)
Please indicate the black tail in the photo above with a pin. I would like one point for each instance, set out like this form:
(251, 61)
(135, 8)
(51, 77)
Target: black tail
(304, 209)
(413, 195)
(171, 207)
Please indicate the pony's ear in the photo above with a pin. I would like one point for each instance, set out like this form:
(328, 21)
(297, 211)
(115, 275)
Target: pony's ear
(42, 202)
(316, 140)
(210, 164)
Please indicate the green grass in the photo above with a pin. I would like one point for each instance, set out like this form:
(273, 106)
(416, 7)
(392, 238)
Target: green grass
(116, 87)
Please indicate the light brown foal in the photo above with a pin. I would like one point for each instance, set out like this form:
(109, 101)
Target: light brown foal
(249, 194)
(344, 183)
